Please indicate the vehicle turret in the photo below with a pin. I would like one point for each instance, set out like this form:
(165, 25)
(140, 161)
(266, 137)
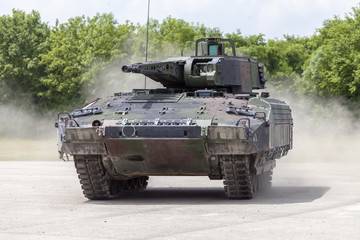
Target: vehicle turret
(211, 67)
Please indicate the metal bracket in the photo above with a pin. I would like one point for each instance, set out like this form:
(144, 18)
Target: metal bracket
(62, 119)
(163, 111)
(201, 110)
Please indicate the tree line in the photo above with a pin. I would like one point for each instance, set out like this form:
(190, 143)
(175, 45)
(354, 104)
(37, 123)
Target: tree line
(46, 68)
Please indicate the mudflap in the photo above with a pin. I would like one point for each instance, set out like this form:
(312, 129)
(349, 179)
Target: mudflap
(158, 156)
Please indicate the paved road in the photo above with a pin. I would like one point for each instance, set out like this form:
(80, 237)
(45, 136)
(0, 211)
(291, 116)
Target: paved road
(43, 200)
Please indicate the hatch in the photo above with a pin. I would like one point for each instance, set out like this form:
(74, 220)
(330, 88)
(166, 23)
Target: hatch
(155, 98)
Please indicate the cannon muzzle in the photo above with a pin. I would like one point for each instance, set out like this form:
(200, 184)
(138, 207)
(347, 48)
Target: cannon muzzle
(135, 68)
(126, 68)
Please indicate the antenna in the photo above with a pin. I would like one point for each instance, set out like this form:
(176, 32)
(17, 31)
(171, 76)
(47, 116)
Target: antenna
(147, 37)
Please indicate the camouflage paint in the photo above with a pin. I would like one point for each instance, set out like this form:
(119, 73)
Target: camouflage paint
(133, 156)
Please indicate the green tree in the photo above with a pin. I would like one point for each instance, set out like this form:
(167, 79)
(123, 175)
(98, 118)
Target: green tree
(283, 59)
(171, 37)
(79, 49)
(23, 41)
(246, 41)
(334, 68)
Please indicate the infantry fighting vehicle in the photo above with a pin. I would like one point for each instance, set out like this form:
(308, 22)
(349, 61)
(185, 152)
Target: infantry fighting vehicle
(207, 121)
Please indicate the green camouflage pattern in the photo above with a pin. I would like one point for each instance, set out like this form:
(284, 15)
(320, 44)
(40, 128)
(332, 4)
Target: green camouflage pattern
(219, 134)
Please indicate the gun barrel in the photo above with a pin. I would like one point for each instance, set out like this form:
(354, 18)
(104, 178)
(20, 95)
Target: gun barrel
(127, 68)
(134, 68)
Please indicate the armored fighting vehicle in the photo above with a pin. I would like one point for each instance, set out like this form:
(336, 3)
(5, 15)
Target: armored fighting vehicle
(207, 121)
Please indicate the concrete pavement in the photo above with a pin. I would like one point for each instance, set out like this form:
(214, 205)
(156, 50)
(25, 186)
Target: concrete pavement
(308, 200)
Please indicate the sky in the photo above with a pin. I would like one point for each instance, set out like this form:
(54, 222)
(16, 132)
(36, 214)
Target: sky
(274, 18)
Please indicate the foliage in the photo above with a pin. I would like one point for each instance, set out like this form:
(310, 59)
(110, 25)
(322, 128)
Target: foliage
(79, 49)
(173, 36)
(334, 67)
(23, 41)
(58, 68)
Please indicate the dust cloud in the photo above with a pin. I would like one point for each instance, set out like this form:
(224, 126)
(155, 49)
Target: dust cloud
(25, 135)
(324, 130)
(112, 80)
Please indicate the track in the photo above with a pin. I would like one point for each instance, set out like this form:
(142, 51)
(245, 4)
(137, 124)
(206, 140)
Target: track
(239, 182)
(97, 185)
